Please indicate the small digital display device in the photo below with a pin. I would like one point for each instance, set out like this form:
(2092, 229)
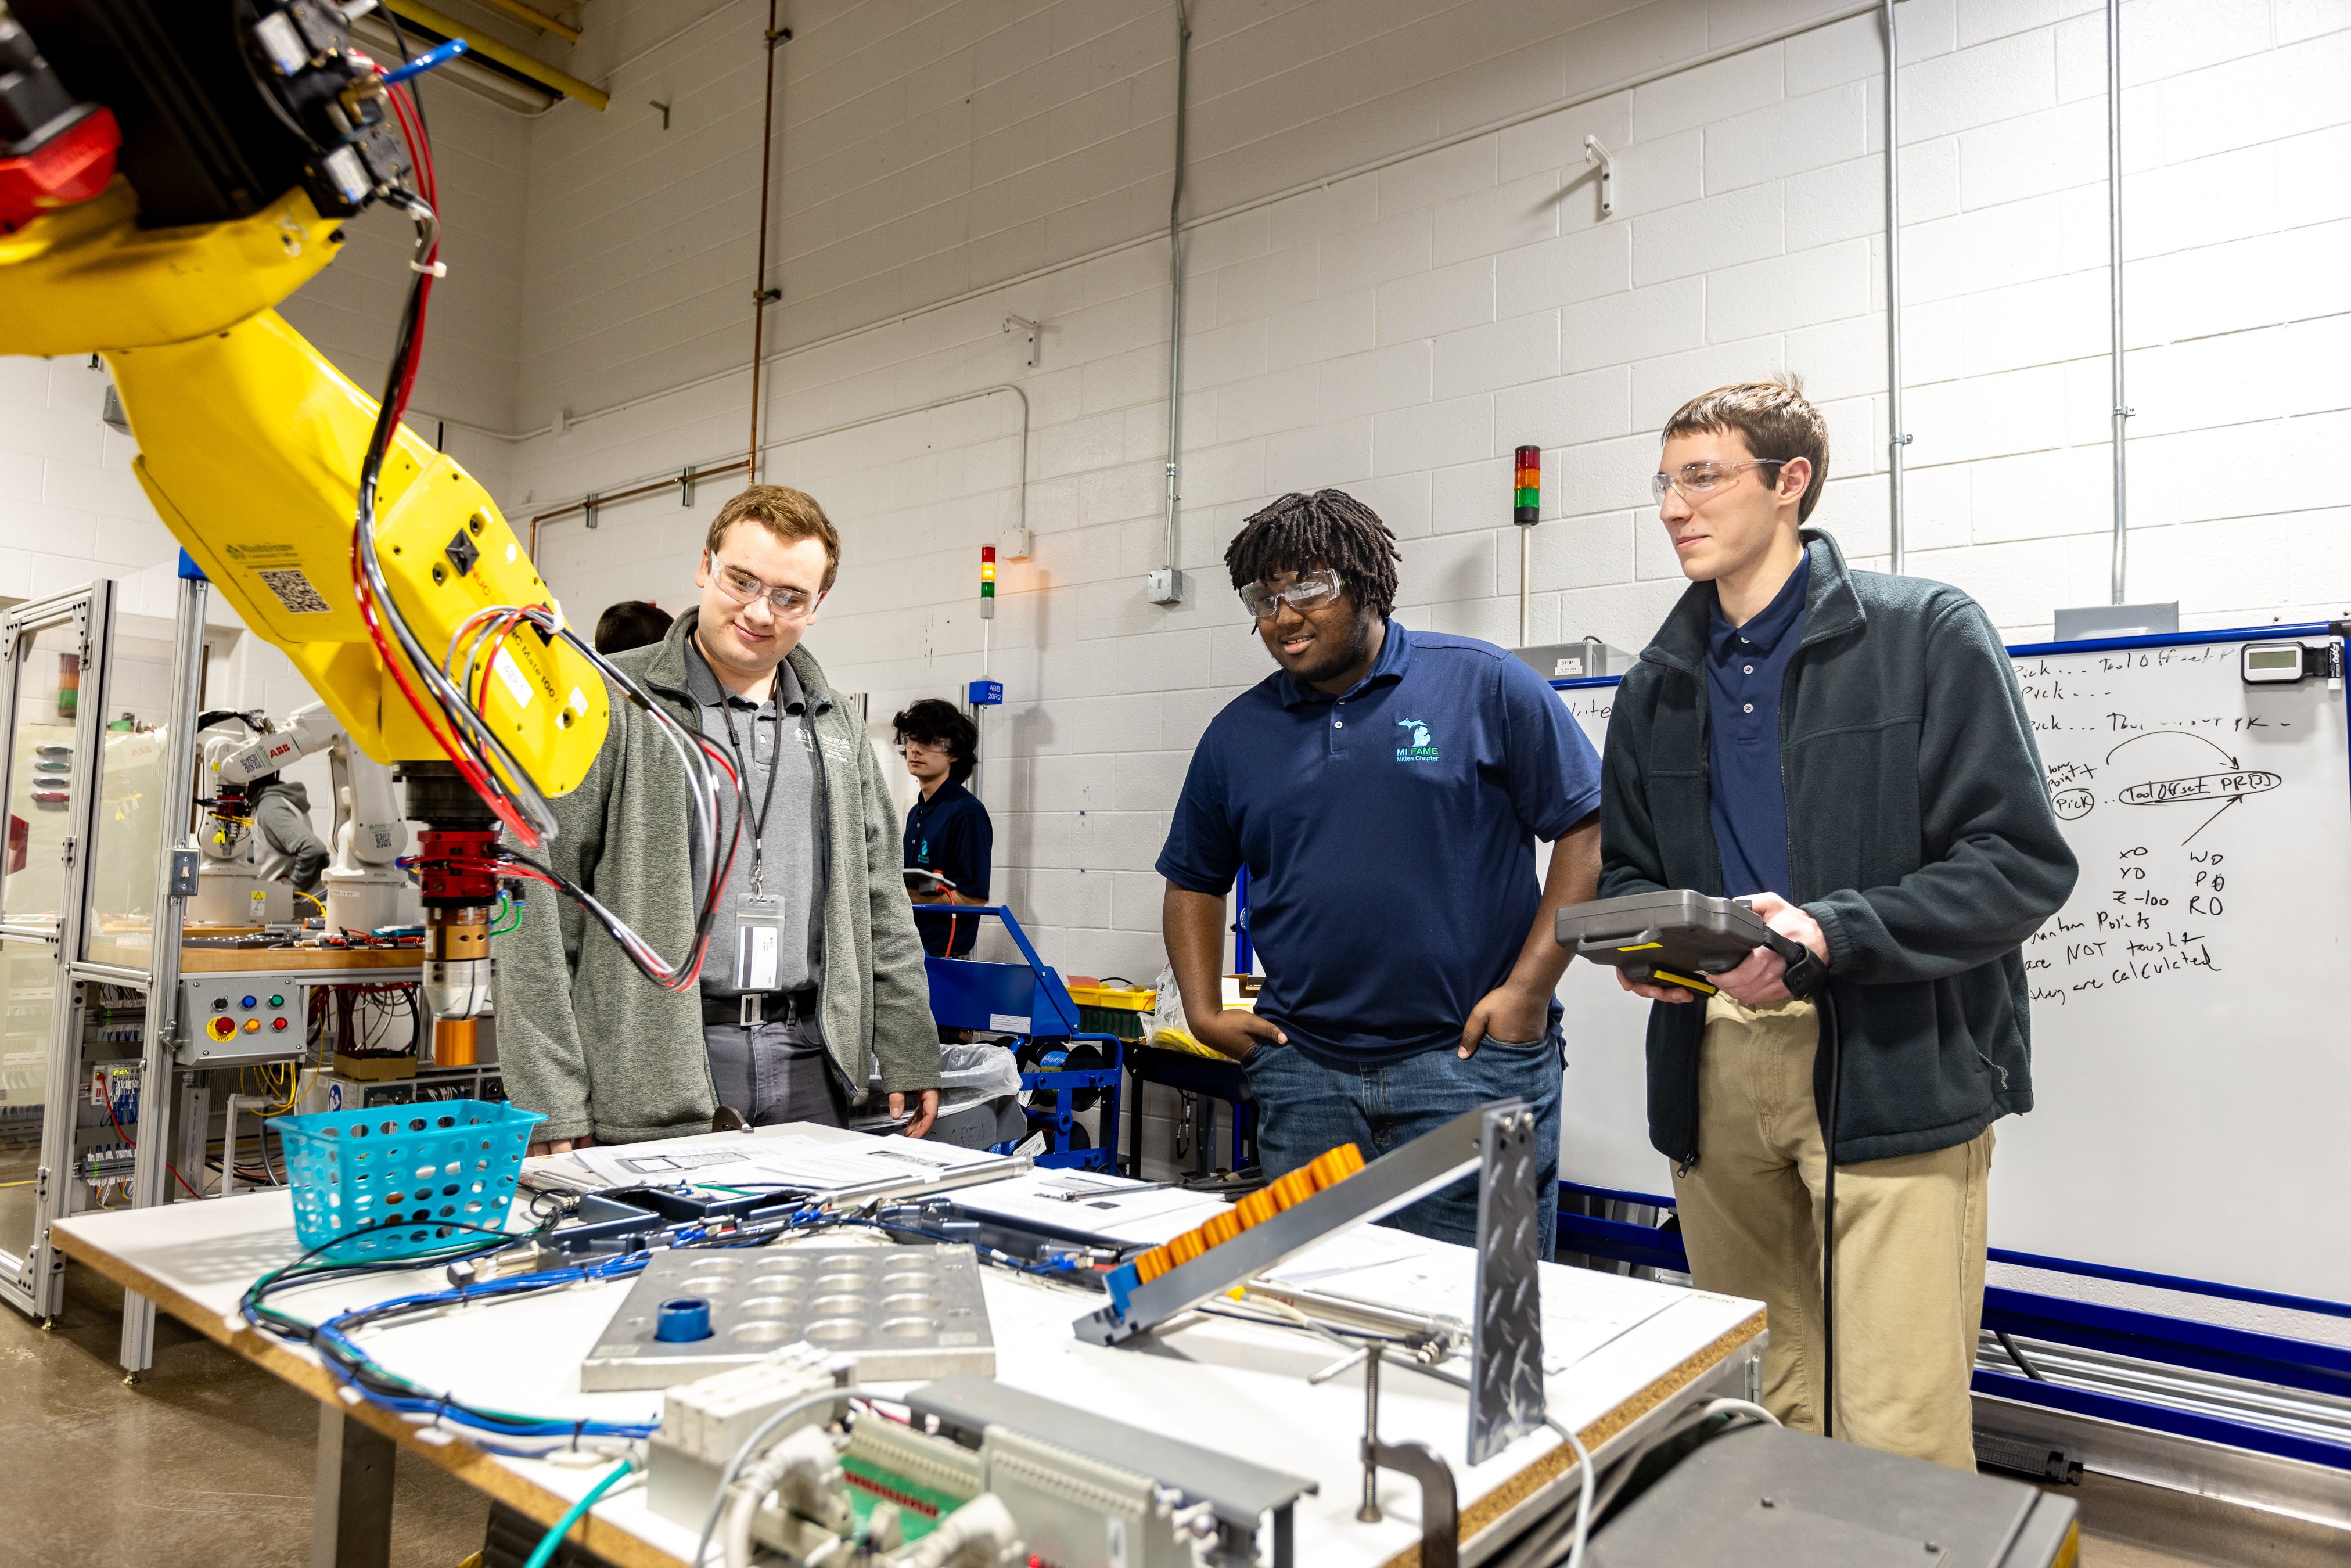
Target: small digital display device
(1679, 937)
(2269, 662)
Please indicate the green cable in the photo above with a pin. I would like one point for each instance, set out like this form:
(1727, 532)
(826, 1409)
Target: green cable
(506, 906)
(544, 1553)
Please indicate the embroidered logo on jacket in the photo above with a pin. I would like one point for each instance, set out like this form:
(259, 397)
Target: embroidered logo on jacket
(1420, 750)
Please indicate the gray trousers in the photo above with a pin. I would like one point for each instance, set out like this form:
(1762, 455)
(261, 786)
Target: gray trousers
(775, 1072)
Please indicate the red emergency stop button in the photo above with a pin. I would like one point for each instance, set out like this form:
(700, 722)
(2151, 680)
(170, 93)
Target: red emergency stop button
(222, 1028)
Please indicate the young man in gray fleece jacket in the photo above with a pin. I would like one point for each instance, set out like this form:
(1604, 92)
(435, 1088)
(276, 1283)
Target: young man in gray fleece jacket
(789, 1024)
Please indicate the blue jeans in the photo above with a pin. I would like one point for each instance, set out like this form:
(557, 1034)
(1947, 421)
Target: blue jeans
(1304, 1108)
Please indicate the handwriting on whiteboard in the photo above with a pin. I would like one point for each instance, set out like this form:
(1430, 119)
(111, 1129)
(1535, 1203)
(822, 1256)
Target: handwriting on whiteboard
(2155, 906)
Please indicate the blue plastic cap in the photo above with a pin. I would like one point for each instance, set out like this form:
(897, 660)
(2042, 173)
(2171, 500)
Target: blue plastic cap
(1122, 1282)
(190, 569)
(682, 1318)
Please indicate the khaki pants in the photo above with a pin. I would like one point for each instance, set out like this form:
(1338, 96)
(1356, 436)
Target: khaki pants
(1910, 1244)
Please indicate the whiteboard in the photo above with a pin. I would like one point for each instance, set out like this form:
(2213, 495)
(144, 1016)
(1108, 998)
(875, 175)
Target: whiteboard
(2191, 1080)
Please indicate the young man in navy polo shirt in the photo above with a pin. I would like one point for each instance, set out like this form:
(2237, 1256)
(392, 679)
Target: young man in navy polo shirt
(1850, 750)
(1385, 789)
(947, 831)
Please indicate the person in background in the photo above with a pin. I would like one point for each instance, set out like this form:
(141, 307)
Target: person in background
(631, 623)
(814, 975)
(1849, 752)
(947, 831)
(287, 849)
(1385, 789)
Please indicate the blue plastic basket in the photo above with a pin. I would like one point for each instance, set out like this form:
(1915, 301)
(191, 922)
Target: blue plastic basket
(430, 1167)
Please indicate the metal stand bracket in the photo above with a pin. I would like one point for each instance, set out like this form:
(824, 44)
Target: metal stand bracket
(1506, 1385)
(1440, 1512)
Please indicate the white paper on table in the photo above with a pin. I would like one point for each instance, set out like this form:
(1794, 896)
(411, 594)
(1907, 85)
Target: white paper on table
(1583, 1310)
(730, 1159)
(1113, 1208)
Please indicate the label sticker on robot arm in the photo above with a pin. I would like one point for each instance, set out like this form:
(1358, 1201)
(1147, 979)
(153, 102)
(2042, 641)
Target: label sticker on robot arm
(518, 684)
(295, 591)
(758, 942)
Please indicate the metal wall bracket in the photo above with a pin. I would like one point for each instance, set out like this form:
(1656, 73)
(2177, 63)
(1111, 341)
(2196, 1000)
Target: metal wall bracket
(588, 507)
(1595, 154)
(685, 486)
(1035, 331)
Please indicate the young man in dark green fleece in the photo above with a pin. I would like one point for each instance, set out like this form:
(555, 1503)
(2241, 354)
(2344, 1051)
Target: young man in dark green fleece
(1850, 750)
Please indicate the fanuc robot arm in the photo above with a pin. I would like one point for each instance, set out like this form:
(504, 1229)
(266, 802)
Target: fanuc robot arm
(170, 170)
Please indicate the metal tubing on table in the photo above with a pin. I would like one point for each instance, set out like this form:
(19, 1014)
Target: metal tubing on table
(148, 1176)
(351, 1523)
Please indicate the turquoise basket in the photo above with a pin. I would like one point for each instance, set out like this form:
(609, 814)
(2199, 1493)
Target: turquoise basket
(418, 1171)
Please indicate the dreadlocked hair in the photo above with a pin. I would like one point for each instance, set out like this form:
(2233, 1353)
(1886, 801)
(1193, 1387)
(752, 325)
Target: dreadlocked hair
(1329, 527)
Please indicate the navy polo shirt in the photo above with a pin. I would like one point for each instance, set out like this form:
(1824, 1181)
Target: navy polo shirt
(951, 834)
(1389, 836)
(1745, 666)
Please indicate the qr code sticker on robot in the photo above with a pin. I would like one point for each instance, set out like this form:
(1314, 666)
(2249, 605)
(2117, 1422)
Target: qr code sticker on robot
(295, 591)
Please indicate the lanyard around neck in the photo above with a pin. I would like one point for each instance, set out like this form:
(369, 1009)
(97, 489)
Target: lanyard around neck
(775, 765)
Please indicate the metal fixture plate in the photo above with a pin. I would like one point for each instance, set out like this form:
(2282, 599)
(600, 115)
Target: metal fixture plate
(897, 1311)
(1506, 1384)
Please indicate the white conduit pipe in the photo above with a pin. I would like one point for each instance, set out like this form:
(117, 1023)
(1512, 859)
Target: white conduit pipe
(2115, 272)
(1897, 437)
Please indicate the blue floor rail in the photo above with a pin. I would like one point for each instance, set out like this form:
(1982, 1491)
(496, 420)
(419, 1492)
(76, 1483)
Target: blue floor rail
(2274, 1359)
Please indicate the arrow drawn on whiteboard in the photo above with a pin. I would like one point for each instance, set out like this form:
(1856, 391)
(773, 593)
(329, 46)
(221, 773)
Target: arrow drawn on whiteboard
(2228, 788)
(2177, 735)
(2215, 817)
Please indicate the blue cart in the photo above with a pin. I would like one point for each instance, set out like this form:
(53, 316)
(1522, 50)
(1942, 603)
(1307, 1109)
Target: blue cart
(1029, 1002)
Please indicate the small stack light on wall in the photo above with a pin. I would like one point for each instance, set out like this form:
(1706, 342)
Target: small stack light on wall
(1526, 506)
(984, 693)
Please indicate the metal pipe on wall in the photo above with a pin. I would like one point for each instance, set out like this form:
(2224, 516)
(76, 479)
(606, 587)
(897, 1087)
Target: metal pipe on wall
(1896, 436)
(2115, 273)
(762, 296)
(1176, 278)
(671, 478)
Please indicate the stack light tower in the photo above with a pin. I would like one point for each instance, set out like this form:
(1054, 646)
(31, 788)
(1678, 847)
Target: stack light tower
(984, 693)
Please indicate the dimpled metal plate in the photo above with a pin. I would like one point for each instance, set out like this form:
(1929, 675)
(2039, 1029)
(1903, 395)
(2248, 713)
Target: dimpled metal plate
(898, 1312)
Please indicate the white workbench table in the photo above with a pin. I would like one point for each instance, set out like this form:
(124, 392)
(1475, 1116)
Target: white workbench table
(1224, 1383)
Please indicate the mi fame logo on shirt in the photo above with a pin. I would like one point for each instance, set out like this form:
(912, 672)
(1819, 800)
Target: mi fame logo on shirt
(1420, 750)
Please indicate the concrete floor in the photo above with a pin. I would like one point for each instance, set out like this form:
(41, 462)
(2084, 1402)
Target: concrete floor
(207, 1460)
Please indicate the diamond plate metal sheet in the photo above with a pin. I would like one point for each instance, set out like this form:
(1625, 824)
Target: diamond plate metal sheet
(1506, 1385)
(900, 1313)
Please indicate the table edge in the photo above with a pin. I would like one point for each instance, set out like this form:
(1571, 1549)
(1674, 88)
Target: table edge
(480, 1471)
(1559, 1459)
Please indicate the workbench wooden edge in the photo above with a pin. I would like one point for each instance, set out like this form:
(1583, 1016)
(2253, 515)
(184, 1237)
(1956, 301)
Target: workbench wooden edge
(478, 1469)
(1560, 1459)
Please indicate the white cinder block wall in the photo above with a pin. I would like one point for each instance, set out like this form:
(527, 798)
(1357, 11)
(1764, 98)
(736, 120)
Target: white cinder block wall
(1397, 272)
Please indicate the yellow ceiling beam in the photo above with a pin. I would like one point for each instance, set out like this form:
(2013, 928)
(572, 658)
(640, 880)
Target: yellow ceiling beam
(531, 16)
(489, 48)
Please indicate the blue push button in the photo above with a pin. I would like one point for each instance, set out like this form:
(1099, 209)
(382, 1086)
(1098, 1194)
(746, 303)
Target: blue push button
(247, 1004)
(682, 1318)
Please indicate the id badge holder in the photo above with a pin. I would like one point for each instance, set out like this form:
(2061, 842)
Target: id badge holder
(758, 942)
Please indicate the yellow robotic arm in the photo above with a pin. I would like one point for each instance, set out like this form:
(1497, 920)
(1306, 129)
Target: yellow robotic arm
(244, 132)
